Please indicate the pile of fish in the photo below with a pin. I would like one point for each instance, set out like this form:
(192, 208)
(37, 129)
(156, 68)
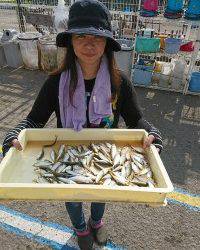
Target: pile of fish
(102, 163)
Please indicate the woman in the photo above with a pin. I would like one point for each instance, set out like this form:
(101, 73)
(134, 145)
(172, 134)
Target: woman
(88, 91)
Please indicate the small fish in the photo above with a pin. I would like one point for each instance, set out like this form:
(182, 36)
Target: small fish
(103, 157)
(107, 176)
(101, 174)
(119, 179)
(71, 154)
(102, 162)
(61, 168)
(138, 182)
(122, 159)
(53, 155)
(144, 171)
(84, 154)
(79, 148)
(48, 175)
(128, 169)
(107, 182)
(139, 151)
(119, 167)
(116, 160)
(41, 155)
(66, 158)
(138, 159)
(84, 147)
(135, 168)
(81, 179)
(55, 166)
(142, 178)
(66, 181)
(50, 145)
(150, 174)
(94, 148)
(124, 151)
(98, 165)
(139, 165)
(42, 163)
(123, 172)
(151, 184)
(89, 159)
(128, 156)
(113, 151)
(61, 152)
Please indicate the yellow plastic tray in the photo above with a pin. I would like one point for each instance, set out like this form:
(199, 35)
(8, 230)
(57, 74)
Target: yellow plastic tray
(17, 172)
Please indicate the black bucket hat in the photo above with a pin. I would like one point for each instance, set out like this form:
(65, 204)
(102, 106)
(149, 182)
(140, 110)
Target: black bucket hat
(88, 17)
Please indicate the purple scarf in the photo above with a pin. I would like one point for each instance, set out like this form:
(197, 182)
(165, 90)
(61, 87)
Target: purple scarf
(100, 100)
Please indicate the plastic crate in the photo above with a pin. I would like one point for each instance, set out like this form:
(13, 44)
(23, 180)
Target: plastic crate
(194, 84)
(142, 75)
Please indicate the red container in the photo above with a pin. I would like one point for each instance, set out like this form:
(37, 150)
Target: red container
(150, 5)
(188, 47)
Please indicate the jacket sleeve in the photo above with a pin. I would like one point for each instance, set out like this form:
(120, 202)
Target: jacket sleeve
(41, 111)
(143, 124)
(132, 114)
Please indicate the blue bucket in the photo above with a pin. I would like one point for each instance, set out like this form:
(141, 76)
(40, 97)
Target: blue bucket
(194, 84)
(142, 74)
(193, 7)
(175, 5)
(172, 45)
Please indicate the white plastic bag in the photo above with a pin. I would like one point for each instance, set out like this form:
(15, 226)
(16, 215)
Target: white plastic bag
(179, 73)
(61, 13)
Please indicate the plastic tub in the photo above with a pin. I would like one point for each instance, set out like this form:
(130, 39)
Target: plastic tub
(142, 75)
(193, 7)
(2, 57)
(17, 171)
(2, 54)
(11, 49)
(172, 45)
(147, 45)
(194, 84)
(13, 54)
(29, 49)
(187, 47)
(150, 5)
(175, 5)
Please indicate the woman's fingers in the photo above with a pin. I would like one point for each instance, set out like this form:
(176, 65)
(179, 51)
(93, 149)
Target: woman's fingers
(148, 141)
(16, 144)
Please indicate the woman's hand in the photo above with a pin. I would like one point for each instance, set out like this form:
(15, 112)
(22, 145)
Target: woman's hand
(16, 144)
(148, 141)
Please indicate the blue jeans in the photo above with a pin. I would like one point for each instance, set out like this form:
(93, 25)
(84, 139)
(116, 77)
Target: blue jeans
(76, 214)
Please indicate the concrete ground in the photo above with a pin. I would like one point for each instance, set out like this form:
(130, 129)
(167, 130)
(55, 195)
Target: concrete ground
(129, 225)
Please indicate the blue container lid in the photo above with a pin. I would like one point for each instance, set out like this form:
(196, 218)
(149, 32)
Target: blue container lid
(173, 40)
(195, 74)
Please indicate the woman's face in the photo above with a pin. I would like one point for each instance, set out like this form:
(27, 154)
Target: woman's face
(88, 48)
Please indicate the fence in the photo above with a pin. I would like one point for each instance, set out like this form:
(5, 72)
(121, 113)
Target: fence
(31, 15)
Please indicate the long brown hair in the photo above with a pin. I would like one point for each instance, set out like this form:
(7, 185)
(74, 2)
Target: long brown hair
(69, 63)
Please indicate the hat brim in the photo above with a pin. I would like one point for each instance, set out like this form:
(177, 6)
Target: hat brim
(63, 38)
